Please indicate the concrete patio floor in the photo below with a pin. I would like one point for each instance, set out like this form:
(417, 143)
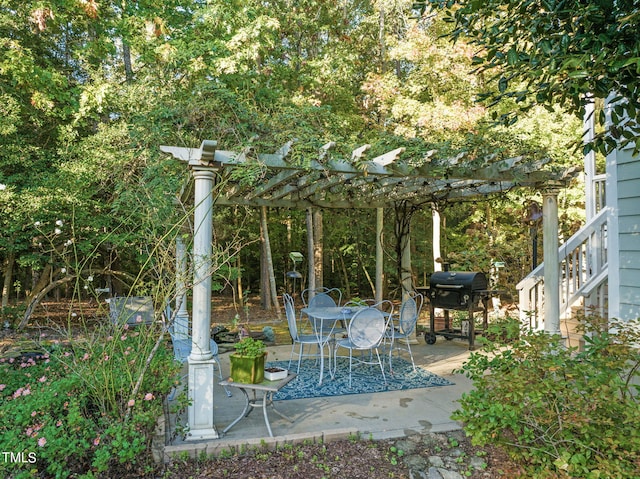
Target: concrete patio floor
(375, 416)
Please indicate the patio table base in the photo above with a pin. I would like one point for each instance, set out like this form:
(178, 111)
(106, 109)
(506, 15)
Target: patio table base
(267, 388)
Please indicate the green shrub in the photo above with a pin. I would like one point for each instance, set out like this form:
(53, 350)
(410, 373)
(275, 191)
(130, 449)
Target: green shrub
(562, 412)
(73, 411)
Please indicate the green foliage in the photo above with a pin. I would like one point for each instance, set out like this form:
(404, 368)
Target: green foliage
(563, 412)
(250, 347)
(555, 53)
(78, 403)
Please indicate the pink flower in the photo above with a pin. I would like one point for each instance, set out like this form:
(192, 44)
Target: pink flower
(149, 397)
(59, 423)
(26, 392)
(131, 402)
(85, 357)
(2, 387)
(106, 357)
(66, 354)
(96, 441)
(123, 337)
(42, 379)
(34, 413)
(42, 441)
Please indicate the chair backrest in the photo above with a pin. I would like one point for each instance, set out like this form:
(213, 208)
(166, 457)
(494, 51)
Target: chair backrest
(291, 315)
(321, 297)
(181, 340)
(181, 349)
(178, 324)
(367, 328)
(409, 313)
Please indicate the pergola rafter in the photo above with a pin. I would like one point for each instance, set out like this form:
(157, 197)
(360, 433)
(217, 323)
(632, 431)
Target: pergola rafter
(331, 182)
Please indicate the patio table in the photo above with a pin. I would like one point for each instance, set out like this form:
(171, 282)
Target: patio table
(267, 388)
(324, 320)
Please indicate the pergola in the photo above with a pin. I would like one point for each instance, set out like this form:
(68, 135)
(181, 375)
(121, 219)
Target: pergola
(327, 181)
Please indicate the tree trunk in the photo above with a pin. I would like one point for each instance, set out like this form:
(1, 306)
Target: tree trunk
(239, 290)
(272, 278)
(126, 54)
(378, 291)
(310, 253)
(35, 299)
(318, 250)
(40, 284)
(404, 211)
(345, 275)
(265, 289)
(8, 277)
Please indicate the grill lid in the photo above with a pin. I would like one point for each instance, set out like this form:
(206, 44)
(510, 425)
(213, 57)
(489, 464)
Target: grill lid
(458, 280)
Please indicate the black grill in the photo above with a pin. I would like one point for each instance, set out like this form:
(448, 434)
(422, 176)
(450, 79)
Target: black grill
(462, 291)
(455, 289)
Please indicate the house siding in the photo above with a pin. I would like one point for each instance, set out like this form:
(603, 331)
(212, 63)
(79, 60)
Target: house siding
(628, 196)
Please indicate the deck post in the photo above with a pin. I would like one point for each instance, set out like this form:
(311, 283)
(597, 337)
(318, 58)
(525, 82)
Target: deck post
(551, 259)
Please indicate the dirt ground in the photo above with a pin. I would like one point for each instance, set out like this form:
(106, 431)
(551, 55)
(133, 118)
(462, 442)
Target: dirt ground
(357, 459)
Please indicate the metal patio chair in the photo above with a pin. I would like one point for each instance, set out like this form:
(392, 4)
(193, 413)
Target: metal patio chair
(319, 337)
(365, 333)
(399, 332)
(182, 344)
(323, 298)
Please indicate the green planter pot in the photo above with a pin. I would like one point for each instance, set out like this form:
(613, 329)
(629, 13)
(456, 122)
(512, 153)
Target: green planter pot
(247, 369)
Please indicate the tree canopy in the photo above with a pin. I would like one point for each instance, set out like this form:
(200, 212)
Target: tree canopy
(89, 90)
(556, 52)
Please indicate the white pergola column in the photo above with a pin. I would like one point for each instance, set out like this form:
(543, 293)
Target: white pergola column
(551, 260)
(181, 321)
(204, 165)
(437, 255)
(201, 374)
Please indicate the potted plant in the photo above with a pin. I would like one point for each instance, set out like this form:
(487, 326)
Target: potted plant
(247, 363)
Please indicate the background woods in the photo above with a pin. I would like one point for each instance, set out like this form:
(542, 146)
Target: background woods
(90, 90)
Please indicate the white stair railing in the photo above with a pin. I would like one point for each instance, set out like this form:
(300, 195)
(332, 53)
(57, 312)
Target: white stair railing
(583, 274)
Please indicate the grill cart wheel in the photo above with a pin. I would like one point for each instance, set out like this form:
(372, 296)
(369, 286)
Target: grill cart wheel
(430, 337)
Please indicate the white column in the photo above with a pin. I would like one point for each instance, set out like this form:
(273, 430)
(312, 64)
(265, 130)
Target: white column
(181, 321)
(437, 255)
(201, 377)
(551, 261)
